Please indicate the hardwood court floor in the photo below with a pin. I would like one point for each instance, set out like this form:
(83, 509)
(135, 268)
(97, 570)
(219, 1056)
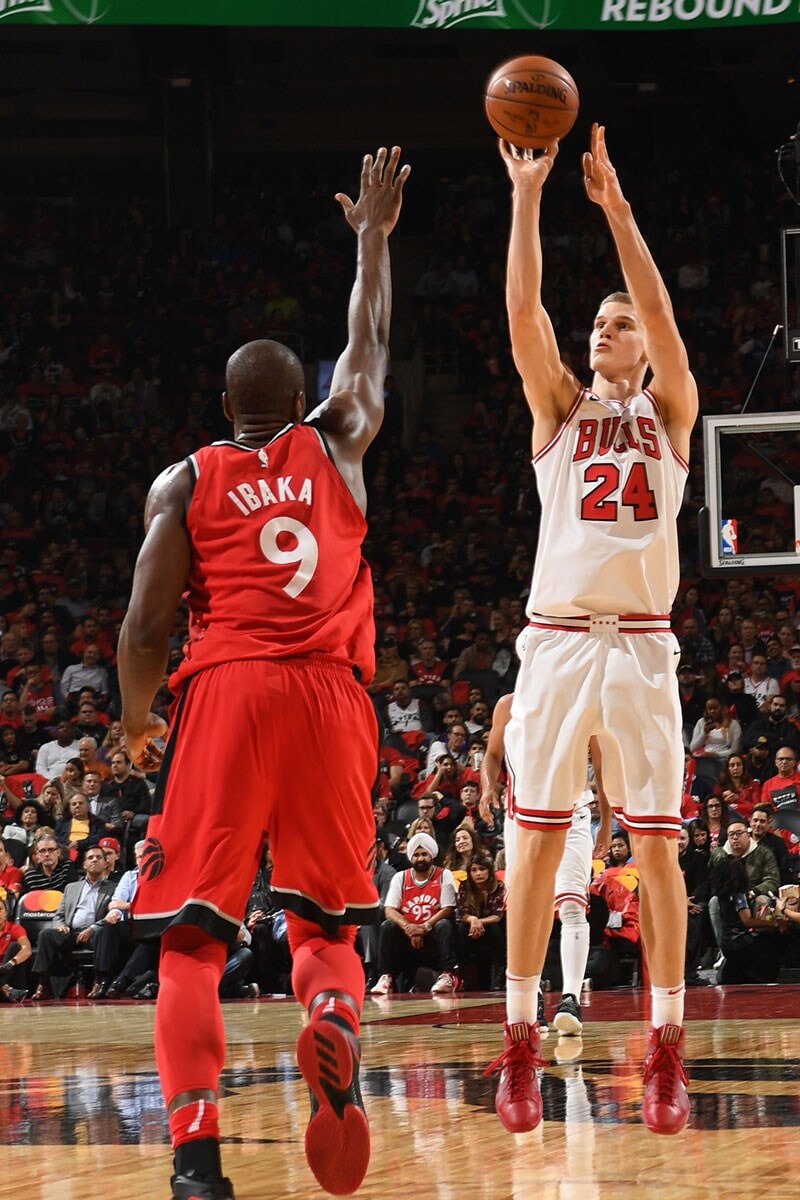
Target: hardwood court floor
(81, 1114)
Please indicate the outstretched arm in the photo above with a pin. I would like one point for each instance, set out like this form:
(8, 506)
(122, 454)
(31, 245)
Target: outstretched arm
(353, 414)
(159, 581)
(549, 386)
(673, 383)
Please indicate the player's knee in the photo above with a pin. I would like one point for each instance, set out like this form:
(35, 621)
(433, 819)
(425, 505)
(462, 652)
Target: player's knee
(572, 913)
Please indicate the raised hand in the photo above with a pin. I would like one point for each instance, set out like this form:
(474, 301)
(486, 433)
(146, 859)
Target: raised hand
(528, 166)
(381, 195)
(599, 175)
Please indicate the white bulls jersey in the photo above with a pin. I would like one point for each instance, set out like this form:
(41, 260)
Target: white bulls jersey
(611, 485)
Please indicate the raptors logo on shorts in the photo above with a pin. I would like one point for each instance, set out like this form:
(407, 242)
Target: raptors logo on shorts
(153, 859)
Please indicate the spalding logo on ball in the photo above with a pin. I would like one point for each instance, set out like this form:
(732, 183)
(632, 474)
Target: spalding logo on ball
(530, 100)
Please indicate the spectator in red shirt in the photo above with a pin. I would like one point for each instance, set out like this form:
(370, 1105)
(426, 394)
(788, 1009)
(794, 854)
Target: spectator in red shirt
(10, 876)
(778, 788)
(15, 950)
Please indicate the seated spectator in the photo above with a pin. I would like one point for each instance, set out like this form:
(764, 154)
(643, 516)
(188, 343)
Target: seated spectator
(742, 708)
(759, 861)
(737, 787)
(776, 727)
(418, 930)
(113, 740)
(79, 829)
(759, 684)
(75, 923)
(32, 734)
(48, 871)
(89, 672)
(715, 814)
(54, 755)
(89, 722)
(29, 818)
(481, 930)
(694, 864)
(389, 667)
(455, 743)
(10, 875)
(406, 719)
(11, 759)
(464, 844)
(714, 739)
(238, 966)
(15, 950)
(751, 945)
(133, 793)
(53, 800)
(87, 752)
(107, 808)
(784, 787)
(762, 832)
(72, 776)
(428, 671)
(113, 943)
(619, 851)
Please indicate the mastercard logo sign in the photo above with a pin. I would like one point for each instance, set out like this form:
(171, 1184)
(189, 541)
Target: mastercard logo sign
(40, 901)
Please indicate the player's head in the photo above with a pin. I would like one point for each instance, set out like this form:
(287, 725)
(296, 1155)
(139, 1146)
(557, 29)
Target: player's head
(616, 343)
(264, 381)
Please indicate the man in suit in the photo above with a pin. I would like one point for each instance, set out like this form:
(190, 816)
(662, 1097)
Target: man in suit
(75, 923)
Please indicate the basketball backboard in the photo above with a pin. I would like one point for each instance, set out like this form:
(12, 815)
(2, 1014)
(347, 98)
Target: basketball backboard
(751, 522)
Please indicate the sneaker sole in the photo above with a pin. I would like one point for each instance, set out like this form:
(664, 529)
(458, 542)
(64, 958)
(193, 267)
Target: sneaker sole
(337, 1137)
(567, 1024)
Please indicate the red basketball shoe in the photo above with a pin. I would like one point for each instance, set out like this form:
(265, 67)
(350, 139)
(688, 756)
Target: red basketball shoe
(665, 1106)
(337, 1137)
(519, 1100)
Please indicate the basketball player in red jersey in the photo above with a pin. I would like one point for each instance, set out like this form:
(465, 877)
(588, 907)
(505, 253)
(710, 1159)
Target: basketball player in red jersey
(263, 534)
(611, 464)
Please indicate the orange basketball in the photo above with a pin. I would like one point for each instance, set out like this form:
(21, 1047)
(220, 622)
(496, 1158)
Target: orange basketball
(530, 100)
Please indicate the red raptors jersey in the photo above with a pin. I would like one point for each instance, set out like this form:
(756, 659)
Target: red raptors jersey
(276, 567)
(420, 901)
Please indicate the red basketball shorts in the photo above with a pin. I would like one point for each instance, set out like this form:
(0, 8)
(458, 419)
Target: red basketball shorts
(284, 750)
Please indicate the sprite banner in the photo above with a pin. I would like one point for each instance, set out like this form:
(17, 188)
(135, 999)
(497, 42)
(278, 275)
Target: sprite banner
(405, 14)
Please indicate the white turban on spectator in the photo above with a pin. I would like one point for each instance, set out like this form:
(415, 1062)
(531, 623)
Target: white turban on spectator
(425, 841)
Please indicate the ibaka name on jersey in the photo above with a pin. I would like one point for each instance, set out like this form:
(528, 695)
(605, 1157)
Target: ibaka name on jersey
(252, 497)
(599, 436)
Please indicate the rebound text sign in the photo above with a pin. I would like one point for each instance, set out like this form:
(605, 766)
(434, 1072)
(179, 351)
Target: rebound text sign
(404, 14)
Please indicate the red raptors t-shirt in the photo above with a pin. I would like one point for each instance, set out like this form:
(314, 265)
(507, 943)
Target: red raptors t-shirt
(276, 566)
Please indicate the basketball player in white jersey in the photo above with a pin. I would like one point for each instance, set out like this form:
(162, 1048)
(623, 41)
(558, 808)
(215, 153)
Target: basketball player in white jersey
(611, 464)
(571, 899)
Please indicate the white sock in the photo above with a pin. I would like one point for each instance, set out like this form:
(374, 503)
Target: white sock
(667, 1005)
(574, 951)
(522, 993)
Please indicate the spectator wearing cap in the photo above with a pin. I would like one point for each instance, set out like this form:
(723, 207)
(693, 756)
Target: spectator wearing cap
(777, 662)
(776, 727)
(793, 671)
(740, 705)
(419, 927)
(758, 759)
(111, 852)
(692, 697)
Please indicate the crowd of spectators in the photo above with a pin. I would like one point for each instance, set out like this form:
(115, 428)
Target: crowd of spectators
(113, 340)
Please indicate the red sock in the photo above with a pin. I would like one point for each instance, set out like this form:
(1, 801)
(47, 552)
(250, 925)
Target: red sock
(189, 1033)
(190, 1122)
(323, 963)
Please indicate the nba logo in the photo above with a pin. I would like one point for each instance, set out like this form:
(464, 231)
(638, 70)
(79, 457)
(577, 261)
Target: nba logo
(730, 537)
